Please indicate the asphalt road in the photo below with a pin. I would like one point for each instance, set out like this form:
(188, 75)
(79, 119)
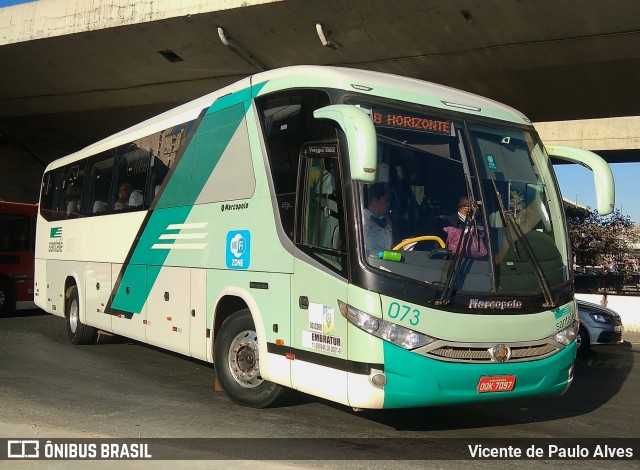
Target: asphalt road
(124, 389)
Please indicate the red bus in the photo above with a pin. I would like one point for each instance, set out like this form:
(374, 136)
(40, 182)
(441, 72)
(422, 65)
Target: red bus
(17, 243)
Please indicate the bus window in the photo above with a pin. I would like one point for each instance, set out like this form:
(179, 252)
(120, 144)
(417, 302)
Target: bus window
(287, 122)
(170, 142)
(166, 146)
(131, 179)
(72, 196)
(321, 230)
(158, 172)
(100, 176)
(51, 198)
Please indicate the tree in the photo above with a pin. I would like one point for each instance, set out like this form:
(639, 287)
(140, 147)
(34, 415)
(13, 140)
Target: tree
(595, 238)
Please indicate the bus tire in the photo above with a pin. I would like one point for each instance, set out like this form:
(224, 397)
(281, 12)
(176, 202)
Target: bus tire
(7, 302)
(237, 364)
(78, 332)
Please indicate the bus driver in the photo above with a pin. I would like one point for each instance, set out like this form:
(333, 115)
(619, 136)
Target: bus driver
(375, 219)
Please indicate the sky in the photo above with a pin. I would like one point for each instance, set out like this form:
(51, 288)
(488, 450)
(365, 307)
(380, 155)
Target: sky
(8, 3)
(576, 183)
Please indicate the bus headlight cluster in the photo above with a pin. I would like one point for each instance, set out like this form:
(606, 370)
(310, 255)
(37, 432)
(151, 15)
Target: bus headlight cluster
(567, 335)
(396, 334)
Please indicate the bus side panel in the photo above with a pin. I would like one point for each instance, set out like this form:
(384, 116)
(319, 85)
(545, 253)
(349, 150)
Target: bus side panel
(319, 333)
(40, 283)
(223, 169)
(56, 274)
(131, 326)
(198, 317)
(266, 295)
(58, 271)
(167, 308)
(365, 349)
(97, 291)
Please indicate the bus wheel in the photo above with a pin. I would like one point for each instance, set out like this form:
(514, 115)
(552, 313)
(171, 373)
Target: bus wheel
(78, 332)
(237, 364)
(6, 297)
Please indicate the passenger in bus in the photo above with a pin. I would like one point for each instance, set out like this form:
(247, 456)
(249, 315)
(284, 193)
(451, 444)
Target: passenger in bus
(376, 222)
(73, 194)
(136, 199)
(474, 245)
(99, 207)
(124, 192)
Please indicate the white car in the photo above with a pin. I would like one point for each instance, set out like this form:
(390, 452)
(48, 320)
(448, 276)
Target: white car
(598, 326)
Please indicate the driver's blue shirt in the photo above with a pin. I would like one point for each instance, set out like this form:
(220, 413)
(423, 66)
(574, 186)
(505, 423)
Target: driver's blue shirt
(377, 233)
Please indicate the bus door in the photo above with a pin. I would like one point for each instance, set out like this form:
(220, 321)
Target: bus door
(319, 332)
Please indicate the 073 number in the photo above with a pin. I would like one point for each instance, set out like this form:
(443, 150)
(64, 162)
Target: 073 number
(402, 311)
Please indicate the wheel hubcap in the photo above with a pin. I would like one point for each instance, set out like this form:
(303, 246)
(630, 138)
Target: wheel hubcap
(73, 316)
(244, 361)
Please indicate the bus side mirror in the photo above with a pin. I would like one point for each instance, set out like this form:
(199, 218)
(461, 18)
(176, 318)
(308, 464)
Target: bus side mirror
(361, 138)
(602, 175)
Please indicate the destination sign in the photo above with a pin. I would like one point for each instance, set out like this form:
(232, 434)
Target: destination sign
(381, 118)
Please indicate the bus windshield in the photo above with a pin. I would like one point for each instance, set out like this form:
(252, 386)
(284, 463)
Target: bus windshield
(463, 207)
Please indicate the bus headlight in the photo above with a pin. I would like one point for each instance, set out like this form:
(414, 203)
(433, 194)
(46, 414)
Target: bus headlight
(396, 334)
(567, 335)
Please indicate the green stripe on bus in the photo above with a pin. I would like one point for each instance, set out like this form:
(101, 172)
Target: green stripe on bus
(187, 182)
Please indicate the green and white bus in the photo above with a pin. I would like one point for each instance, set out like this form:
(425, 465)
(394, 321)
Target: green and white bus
(233, 229)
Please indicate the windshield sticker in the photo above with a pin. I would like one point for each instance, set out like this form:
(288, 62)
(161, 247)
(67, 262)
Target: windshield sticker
(238, 249)
(383, 119)
(319, 150)
(321, 318)
(491, 162)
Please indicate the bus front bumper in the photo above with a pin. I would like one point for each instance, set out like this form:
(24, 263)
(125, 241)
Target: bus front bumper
(414, 380)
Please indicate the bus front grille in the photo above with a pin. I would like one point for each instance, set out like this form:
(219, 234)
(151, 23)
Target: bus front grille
(479, 353)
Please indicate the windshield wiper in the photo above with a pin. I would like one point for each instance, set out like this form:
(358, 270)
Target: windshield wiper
(510, 222)
(455, 263)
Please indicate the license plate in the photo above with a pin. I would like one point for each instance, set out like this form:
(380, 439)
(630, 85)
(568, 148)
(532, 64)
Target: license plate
(617, 329)
(496, 383)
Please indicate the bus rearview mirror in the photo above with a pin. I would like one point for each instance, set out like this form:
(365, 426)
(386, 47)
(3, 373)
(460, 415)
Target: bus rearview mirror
(602, 175)
(361, 138)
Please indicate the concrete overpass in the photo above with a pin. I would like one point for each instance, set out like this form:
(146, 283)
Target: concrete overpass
(75, 71)
(615, 139)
